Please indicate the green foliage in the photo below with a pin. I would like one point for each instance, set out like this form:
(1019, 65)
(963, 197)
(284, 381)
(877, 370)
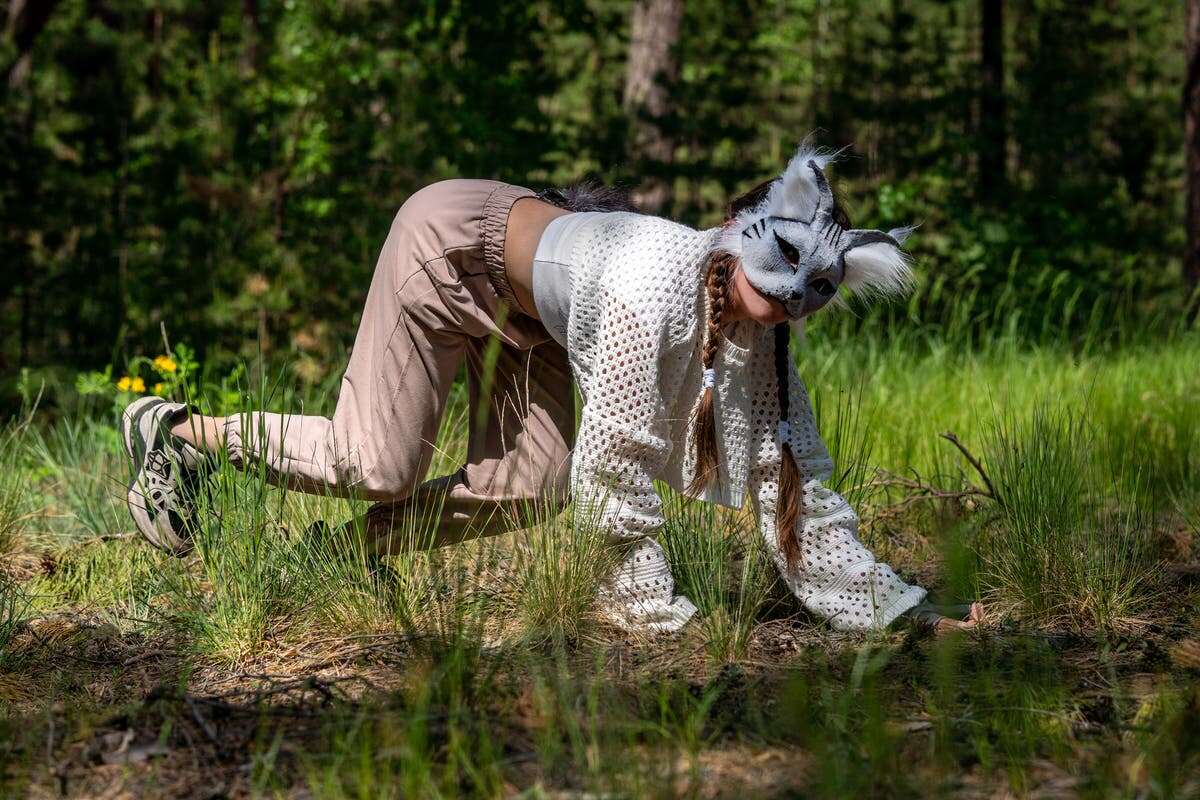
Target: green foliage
(1168, 737)
(558, 563)
(84, 461)
(844, 728)
(121, 576)
(230, 170)
(718, 562)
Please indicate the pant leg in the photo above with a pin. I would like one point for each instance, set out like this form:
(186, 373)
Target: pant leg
(335, 456)
(410, 341)
(432, 301)
(522, 429)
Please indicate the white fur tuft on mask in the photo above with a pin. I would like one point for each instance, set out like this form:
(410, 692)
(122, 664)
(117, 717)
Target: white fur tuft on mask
(878, 269)
(793, 194)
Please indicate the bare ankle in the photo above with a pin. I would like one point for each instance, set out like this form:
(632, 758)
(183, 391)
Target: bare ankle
(203, 433)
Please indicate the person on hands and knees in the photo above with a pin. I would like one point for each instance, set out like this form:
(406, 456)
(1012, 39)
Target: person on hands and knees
(677, 339)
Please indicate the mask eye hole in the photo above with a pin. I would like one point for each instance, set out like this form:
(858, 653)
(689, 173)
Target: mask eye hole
(823, 287)
(788, 249)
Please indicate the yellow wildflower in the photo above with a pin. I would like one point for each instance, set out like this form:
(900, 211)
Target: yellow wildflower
(164, 364)
(159, 387)
(138, 385)
(124, 384)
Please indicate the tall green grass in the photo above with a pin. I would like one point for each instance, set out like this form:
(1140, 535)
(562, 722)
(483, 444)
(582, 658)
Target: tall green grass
(557, 564)
(720, 564)
(1092, 453)
(1073, 541)
(462, 729)
(14, 609)
(82, 457)
(16, 500)
(843, 724)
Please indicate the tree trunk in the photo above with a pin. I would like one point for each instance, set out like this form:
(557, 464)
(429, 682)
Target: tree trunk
(652, 67)
(1191, 141)
(26, 19)
(992, 136)
(253, 33)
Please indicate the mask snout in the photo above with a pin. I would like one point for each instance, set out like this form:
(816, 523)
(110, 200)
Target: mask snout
(794, 305)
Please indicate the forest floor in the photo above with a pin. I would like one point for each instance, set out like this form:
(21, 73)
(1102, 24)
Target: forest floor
(271, 663)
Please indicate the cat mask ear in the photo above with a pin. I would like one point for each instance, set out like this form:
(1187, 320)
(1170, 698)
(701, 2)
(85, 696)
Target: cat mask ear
(875, 264)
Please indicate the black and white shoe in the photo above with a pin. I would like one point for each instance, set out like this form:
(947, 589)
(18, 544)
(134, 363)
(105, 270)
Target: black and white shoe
(167, 472)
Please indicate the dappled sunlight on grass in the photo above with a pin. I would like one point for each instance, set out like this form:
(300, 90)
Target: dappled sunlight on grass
(485, 665)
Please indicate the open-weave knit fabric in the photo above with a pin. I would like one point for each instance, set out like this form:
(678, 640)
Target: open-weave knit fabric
(636, 330)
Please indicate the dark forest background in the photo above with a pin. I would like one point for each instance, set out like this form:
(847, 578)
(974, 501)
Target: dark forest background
(230, 168)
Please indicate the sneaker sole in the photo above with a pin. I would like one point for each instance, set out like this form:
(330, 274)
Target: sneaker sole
(135, 448)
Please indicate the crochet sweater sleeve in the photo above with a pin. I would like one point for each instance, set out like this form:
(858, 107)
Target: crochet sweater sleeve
(623, 442)
(836, 577)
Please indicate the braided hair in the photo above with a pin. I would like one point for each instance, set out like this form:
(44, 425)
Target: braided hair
(704, 436)
(718, 278)
(790, 502)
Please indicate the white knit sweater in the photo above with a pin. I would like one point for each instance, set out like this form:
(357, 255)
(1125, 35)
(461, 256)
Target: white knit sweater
(634, 340)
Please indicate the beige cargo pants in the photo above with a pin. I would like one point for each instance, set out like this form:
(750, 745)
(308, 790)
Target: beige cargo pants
(435, 300)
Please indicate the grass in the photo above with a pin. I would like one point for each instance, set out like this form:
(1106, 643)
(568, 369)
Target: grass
(84, 459)
(278, 660)
(15, 505)
(1072, 545)
(720, 565)
(556, 568)
(13, 609)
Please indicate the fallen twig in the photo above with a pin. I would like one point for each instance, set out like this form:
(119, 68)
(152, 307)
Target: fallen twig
(919, 492)
(950, 437)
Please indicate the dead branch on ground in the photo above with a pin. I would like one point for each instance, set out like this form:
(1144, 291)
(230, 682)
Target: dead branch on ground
(950, 437)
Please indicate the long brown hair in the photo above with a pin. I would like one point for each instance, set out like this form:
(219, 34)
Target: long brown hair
(704, 434)
(719, 273)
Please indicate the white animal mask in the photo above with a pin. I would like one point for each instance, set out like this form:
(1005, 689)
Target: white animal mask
(793, 249)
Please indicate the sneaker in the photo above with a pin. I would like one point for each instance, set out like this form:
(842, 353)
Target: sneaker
(166, 473)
